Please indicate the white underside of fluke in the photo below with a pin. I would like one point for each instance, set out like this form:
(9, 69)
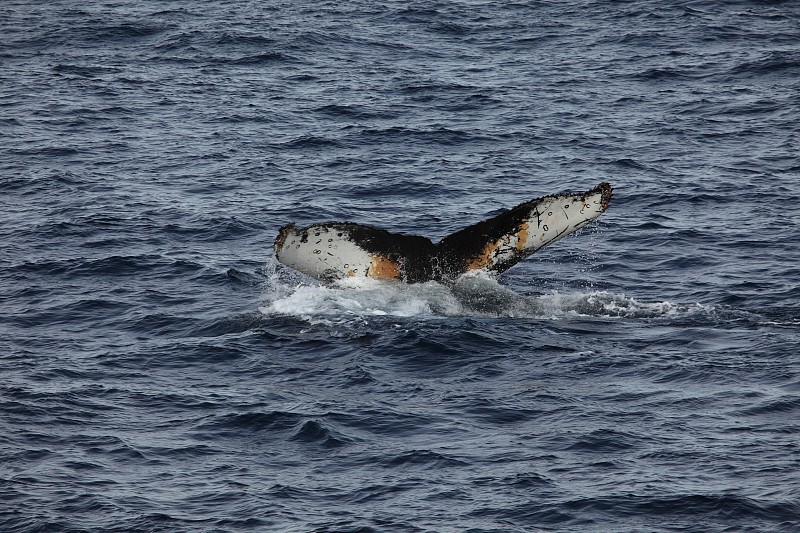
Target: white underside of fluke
(549, 220)
(556, 217)
(324, 252)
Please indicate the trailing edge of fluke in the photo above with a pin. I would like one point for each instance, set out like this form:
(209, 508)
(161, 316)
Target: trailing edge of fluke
(337, 250)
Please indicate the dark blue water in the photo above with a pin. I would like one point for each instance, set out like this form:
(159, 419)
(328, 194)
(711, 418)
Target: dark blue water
(160, 372)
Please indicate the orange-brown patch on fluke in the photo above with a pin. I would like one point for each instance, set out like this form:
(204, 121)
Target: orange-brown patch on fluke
(522, 236)
(382, 267)
(483, 259)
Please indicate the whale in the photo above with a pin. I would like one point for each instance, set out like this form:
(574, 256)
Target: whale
(332, 251)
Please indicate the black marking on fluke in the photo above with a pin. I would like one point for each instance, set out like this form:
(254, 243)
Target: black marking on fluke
(494, 245)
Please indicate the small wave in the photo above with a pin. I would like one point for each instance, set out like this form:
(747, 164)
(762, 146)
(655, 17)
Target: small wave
(86, 71)
(604, 441)
(253, 422)
(275, 424)
(48, 151)
(665, 74)
(355, 111)
(422, 459)
(256, 59)
(788, 404)
(127, 31)
(434, 135)
(775, 62)
(112, 265)
(242, 39)
(315, 432)
(308, 141)
(707, 505)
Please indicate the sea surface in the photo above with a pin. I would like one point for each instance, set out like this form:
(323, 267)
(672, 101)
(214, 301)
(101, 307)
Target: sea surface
(162, 372)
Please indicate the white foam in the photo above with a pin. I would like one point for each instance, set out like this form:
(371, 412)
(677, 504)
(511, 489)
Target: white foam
(604, 303)
(359, 298)
(476, 294)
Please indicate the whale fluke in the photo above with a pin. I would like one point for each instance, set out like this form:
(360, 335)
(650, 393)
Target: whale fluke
(336, 250)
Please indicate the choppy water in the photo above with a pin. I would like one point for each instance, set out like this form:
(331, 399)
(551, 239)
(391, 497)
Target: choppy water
(162, 373)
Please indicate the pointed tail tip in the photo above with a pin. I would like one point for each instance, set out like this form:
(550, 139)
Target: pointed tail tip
(282, 234)
(606, 192)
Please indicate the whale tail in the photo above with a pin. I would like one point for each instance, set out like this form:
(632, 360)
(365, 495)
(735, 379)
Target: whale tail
(337, 250)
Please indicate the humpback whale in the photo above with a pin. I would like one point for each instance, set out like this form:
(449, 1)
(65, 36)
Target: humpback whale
(336, 250)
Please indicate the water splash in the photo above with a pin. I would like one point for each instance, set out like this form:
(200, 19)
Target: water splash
(474, 295)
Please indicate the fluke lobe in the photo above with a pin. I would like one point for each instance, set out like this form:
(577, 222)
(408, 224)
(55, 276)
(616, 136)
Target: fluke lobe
(336, 250)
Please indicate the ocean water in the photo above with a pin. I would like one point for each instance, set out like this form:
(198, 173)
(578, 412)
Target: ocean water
(161, 372)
